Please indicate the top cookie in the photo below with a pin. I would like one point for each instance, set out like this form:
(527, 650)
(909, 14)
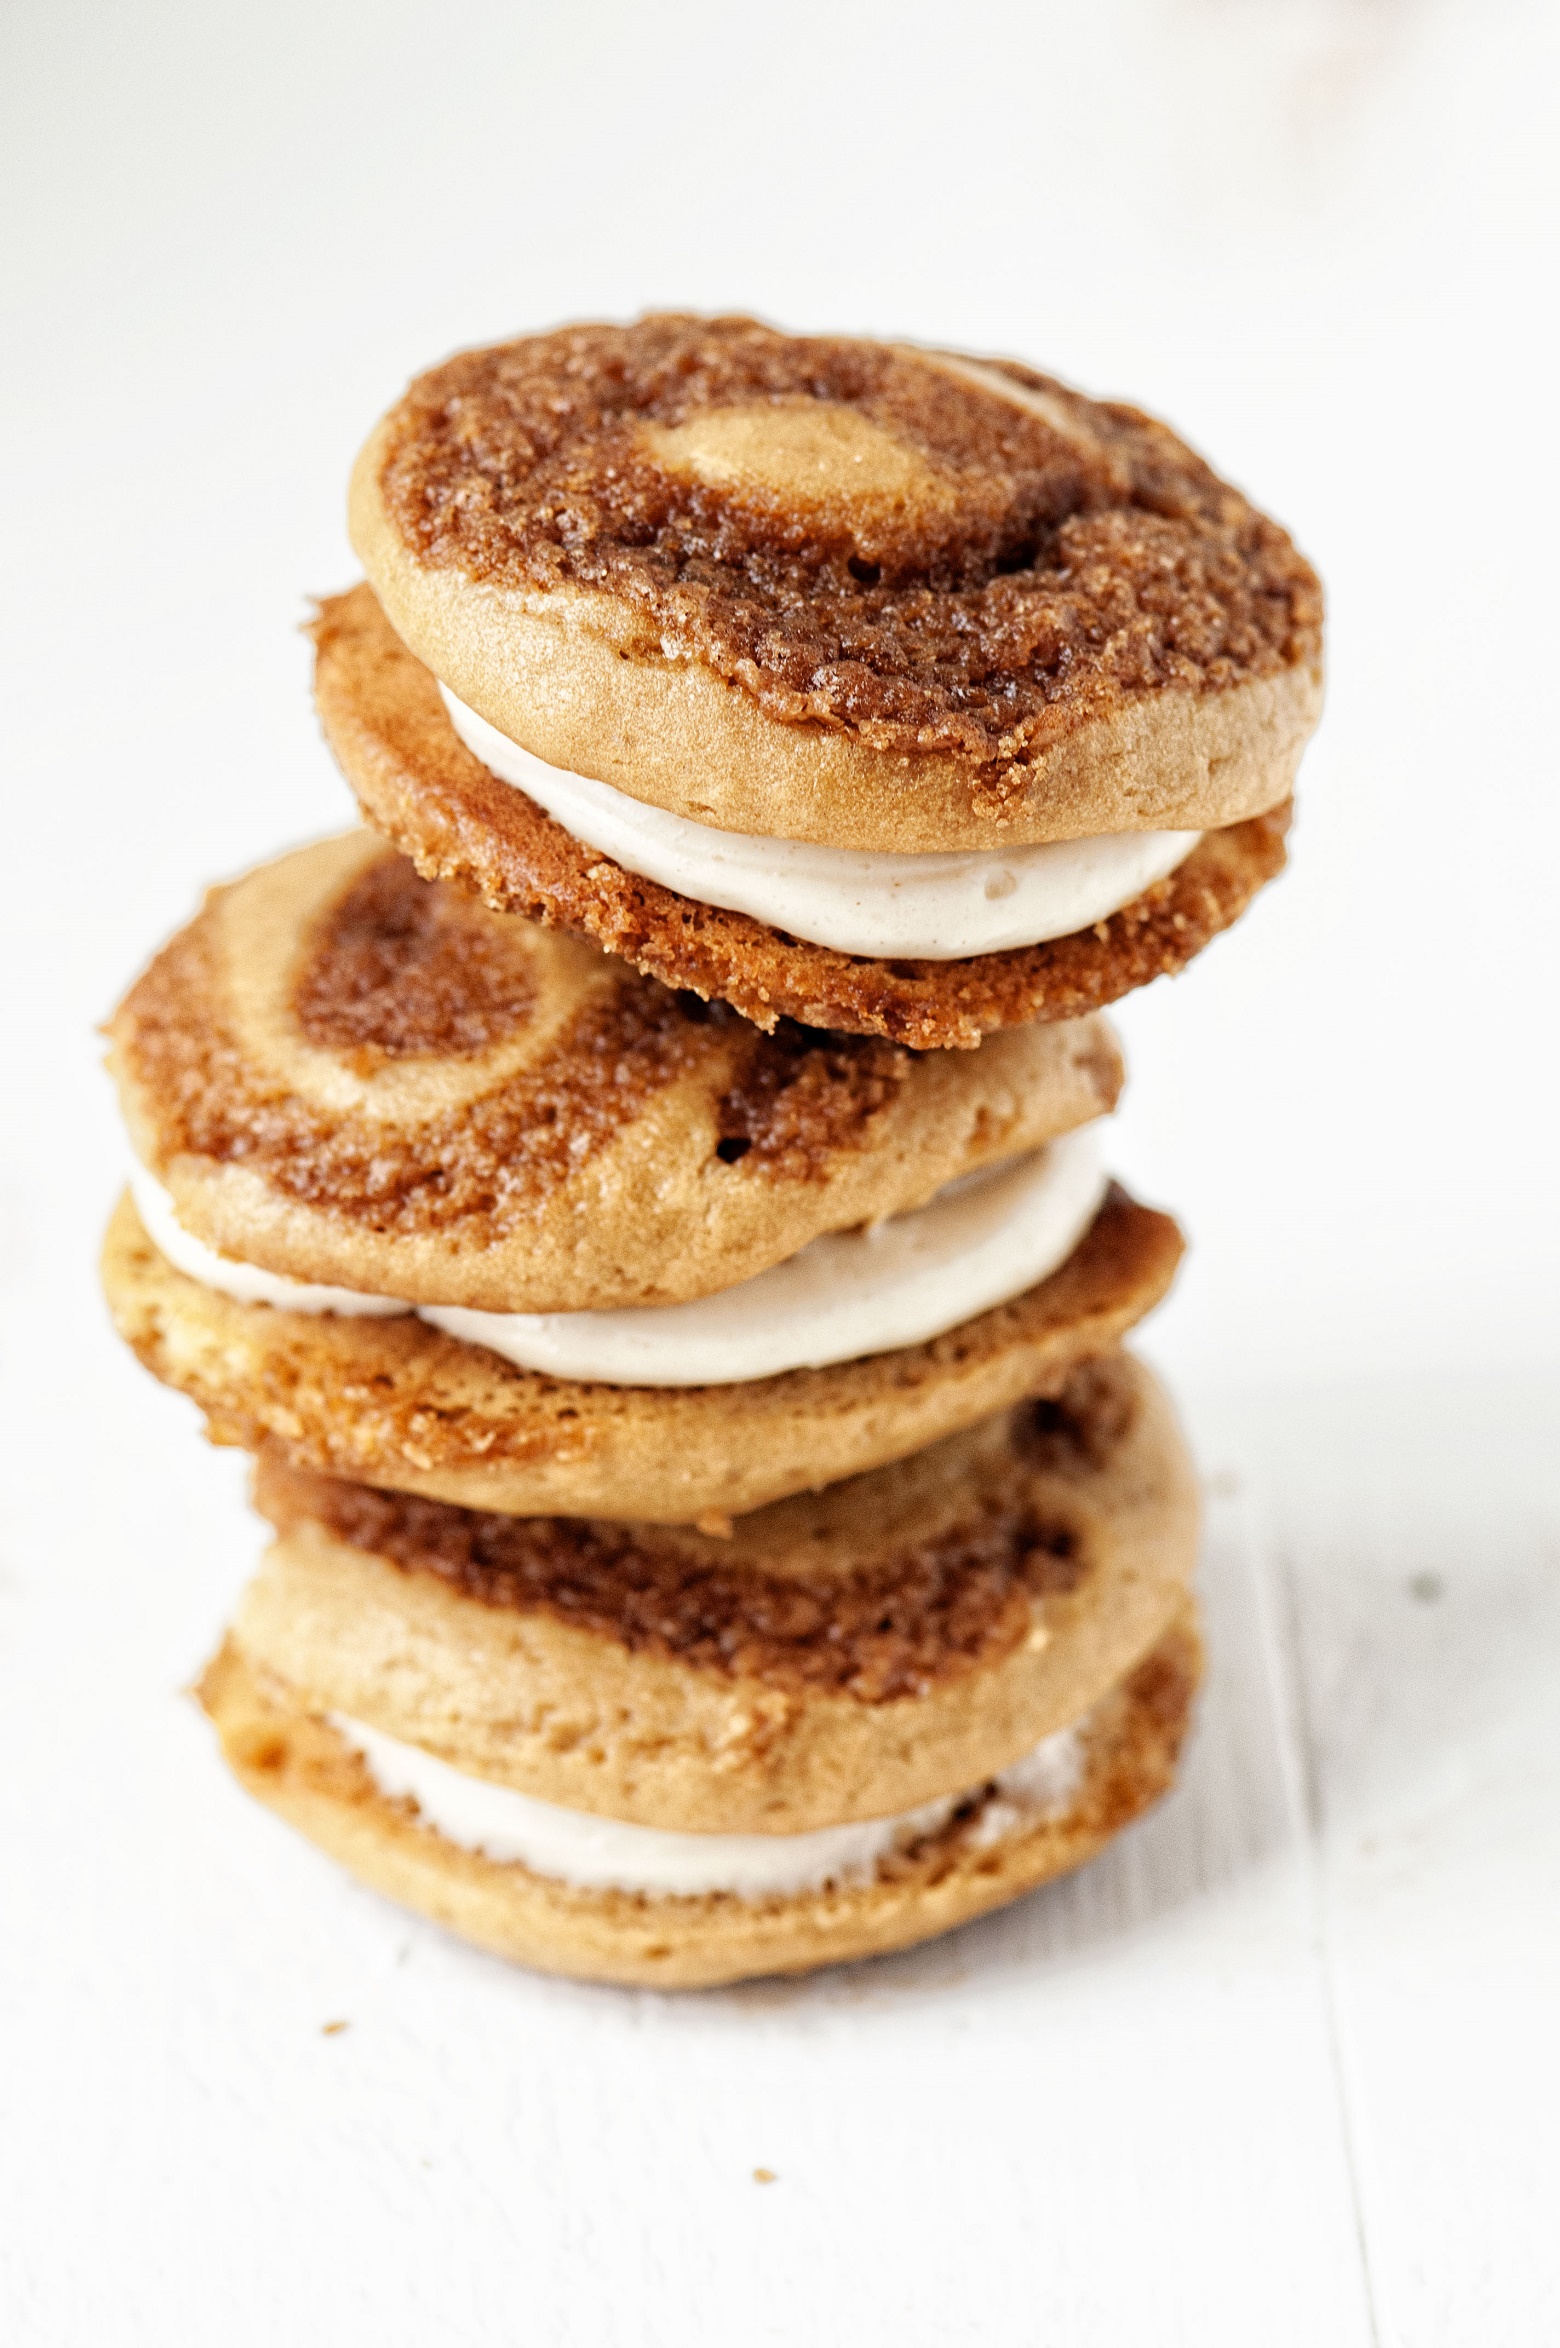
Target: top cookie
(827, 590)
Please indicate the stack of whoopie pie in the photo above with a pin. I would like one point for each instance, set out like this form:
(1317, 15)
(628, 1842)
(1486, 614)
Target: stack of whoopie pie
(641, 1202)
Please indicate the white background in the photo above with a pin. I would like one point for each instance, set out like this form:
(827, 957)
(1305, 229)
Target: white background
(1285, 2066)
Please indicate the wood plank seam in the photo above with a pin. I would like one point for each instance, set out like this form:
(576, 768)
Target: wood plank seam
(1273, 1572)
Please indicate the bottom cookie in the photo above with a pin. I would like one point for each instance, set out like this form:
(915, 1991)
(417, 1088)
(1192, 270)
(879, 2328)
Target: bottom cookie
(940, 1868)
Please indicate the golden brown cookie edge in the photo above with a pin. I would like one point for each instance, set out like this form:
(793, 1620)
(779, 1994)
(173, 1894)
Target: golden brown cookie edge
(399, 1404)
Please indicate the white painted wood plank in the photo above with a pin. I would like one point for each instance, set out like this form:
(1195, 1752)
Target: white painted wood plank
(1419, 1536)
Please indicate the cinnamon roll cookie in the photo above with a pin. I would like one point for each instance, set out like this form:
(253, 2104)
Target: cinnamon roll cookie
(633, 1754)
(892, 691)
(442, 1199)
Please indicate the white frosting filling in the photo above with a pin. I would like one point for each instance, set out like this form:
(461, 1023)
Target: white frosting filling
(936, 908)
(977, 1243)
(231, 1274)
(980, 1241)
(603, 1854)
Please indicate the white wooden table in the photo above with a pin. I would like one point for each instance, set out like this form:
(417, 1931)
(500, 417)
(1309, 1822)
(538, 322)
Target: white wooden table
(1283, 2067)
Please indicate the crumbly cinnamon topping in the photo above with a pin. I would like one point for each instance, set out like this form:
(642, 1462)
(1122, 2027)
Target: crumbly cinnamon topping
(401, 965)
(910, 1614)
(1051, 570)
(804, 1095)
(478, 1167)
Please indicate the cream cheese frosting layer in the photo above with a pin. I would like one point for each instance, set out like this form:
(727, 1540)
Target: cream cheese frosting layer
(979, 1242)
(934, 908)
(229, 1274)
(605, 1854)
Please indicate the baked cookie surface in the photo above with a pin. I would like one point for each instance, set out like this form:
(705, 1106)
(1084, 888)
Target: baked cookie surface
(422, 788)
(832, 590)
(348, 1075)
(397, 1403)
